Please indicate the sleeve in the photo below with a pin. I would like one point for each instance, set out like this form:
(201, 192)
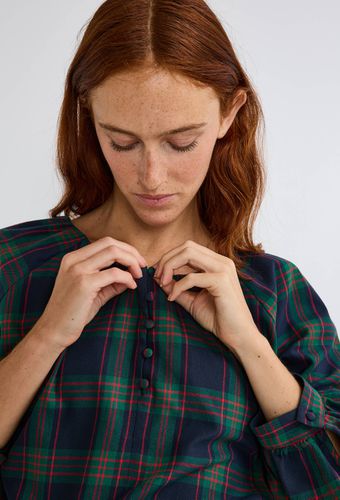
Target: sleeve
(296, 446)
(3, 451)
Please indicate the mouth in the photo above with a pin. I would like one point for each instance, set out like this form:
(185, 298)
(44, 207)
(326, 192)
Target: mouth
(156, 197)
(155, 200)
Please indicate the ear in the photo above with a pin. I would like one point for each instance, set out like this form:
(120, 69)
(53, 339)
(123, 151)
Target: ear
(239, 100)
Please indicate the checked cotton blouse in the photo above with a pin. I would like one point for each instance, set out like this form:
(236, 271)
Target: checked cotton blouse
(148, 404)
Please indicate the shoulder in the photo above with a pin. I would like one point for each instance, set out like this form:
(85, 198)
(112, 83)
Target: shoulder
(28, 229)
(269, 269)
(273, 280)
(27, 245)
(282, 287)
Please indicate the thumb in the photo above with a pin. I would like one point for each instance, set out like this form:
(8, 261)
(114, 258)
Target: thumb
(110, 291)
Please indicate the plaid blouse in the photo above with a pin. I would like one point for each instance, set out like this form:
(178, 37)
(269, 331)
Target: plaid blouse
(148, 404)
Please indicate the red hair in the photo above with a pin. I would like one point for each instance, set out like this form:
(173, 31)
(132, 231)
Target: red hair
(183, 37)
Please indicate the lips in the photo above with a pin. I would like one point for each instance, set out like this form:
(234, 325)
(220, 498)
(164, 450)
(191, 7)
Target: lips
(158, 201)
(158, 197)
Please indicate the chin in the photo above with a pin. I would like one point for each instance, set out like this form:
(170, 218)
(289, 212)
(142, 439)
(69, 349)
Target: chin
(154, 217)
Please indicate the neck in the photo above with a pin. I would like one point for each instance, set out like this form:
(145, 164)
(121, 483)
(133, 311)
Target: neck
(115, 218)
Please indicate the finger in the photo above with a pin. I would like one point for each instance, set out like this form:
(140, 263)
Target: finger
(111, 276)
(193, 257)
(110, 291)
(108, 256)
(210, 282)
(159, 264)
(88, 250)
(187, 245)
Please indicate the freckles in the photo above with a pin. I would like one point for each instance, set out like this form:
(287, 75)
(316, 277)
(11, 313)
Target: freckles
(194, 168)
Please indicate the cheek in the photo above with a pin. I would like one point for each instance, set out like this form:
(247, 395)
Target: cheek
(119, 163)
(194, 169)
(120, 168)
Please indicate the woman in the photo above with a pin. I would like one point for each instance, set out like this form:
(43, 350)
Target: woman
(149, 349)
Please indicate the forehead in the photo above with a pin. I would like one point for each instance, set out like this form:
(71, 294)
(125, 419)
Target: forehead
(153, 93)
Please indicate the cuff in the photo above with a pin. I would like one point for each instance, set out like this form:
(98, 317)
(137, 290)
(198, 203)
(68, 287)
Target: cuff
(294, 426)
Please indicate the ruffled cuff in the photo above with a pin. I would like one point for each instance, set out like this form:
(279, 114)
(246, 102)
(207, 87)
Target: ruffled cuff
(294, 426)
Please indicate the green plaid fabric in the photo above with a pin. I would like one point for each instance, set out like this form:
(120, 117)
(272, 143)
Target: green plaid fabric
(148, 404)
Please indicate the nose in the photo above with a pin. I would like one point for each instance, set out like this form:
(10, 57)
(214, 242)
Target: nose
(152, 172)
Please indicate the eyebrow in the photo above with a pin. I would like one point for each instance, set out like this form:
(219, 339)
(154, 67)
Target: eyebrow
(192, 126)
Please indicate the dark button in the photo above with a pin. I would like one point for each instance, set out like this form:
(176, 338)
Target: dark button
(144, 383)
(149, 323)
(151, 271)
(149, 296)
(310, 415)
(148, 352)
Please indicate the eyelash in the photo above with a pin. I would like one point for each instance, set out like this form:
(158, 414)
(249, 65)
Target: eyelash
(185, 149)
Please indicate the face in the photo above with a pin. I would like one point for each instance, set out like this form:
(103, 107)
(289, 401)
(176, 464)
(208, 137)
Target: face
(146, 155)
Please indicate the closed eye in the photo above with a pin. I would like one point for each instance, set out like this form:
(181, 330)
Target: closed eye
(183, 149)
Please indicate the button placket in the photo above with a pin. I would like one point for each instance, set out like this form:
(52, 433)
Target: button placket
(147, 297)
(147, 352)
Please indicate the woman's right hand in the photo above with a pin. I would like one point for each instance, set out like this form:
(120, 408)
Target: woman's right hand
(83, 286)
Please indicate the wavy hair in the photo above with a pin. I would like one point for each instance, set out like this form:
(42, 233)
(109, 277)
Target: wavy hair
(185, 37)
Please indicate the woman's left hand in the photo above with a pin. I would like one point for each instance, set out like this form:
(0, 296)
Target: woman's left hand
(220, 306)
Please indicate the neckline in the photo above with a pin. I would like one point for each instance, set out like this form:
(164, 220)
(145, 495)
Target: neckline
(85, 238)
(76, 229)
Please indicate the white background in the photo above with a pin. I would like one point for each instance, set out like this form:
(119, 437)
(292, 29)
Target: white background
(290, 51)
